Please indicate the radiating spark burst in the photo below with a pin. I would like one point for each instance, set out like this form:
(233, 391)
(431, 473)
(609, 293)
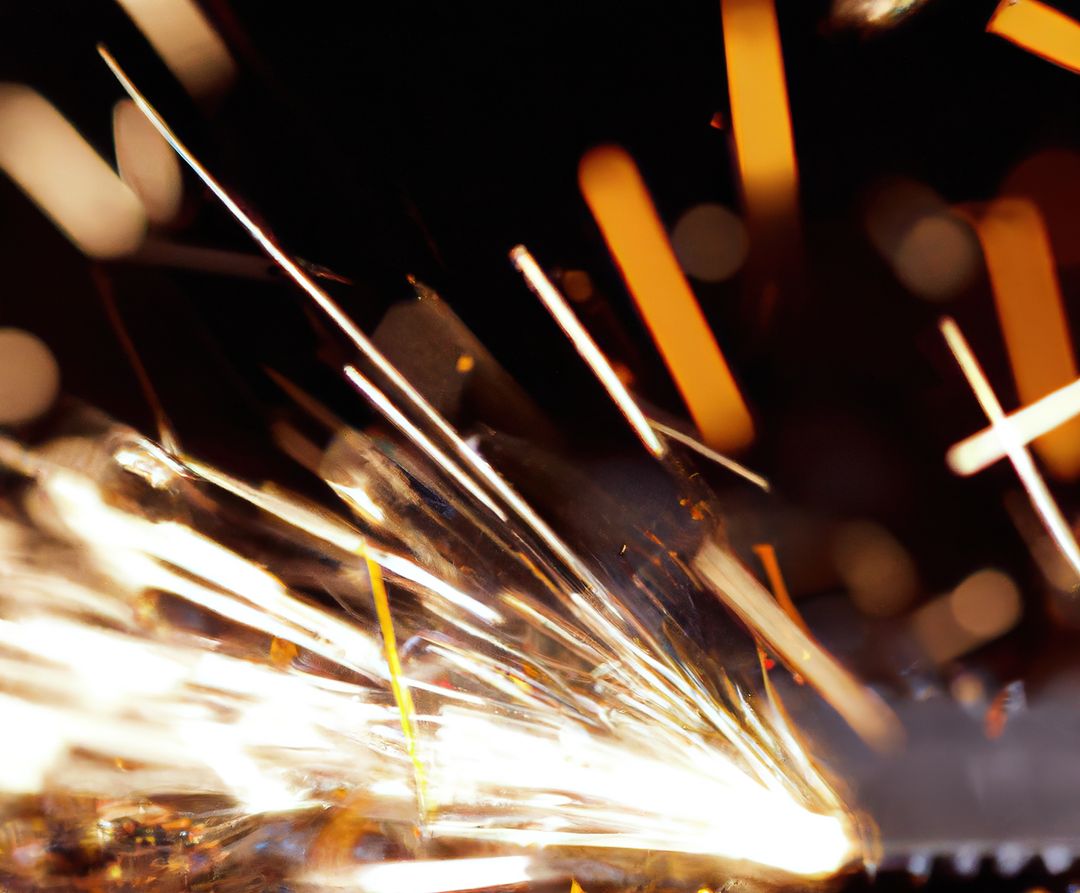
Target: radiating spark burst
(540, 722)
(162, 671)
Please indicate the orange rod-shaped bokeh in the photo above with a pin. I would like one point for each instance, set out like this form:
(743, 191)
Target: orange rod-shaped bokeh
(1039, 29)
(623, 208)
(1029, 306)
(760, 117)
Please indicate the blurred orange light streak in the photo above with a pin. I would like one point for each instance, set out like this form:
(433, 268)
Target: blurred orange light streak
(975, 453)
(1039, 29)
(760, 116)
(1021, 459)
(556, 305)
(1032, 316)
(620, 202)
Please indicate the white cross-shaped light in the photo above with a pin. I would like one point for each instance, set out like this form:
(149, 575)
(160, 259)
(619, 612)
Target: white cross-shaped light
(1010, 436)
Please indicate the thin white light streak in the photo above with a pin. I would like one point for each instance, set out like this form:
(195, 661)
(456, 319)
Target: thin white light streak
(433, 876)
(983, 449)
(520, 507)
(379, 400)
(556, 305)
(1014, 448)
(711, 454)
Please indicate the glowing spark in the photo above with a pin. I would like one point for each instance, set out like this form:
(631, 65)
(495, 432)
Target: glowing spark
(1039, 29)
(62, 174)
(767, 554)
(719, 458)
(760, 117)
(738, 589)
(983, 449)
(471, 458)
(1021, 459)
(1032, 315)
(433, 876)
(624, 211)
(556, 304)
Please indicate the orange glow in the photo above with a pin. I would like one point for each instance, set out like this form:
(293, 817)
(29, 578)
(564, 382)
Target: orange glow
(1039, 29)
(63, 175)
(760, 117)
(623, 208)
(1032, 316)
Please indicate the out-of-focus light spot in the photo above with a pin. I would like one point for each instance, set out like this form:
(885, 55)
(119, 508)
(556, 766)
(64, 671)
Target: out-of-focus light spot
(29, 377)
(620, 202)
(187, 43)
(1029, 305)
(876, 569)
(1039, 29)
(984, 606)
(968, 690)
(63, 175)
(147, 163)
(717, 122)
(577, 286)
(987, 603)
(710, 242)
(932, 250)
(937, 257)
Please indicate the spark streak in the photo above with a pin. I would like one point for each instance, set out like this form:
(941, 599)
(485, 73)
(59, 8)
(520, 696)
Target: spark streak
(469, 456)
(556, 304)
(1033, 482)
(983, 449)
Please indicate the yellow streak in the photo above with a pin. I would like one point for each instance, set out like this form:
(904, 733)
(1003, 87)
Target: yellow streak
(623, 208)
(1021, 459)
(402, 694)
(760, 117)
(767, 555)
(556, 304)
(980, 450)
(1029, 306)
(1039, 29)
